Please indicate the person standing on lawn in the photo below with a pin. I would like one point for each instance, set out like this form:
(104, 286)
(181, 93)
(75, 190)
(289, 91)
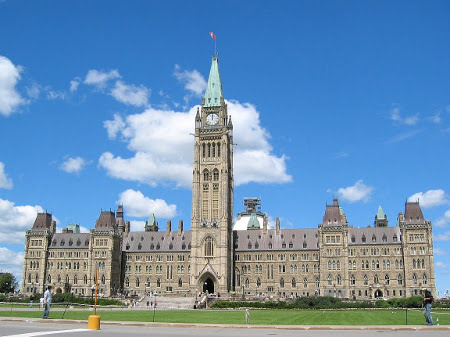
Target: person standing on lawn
(47, 301)
(427, 302)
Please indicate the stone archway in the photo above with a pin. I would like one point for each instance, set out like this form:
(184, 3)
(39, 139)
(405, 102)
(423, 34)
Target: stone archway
(378, 293)
(207, 283)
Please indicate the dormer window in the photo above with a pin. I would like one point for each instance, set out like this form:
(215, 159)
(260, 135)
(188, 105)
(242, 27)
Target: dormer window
(283, 245)
(374, 238)
(353, 238)
(363, 239)
(127, 247)
(394, 238)
(152, 246)
(249, 245)
(158, 246)
(139, 246)
(304, 244)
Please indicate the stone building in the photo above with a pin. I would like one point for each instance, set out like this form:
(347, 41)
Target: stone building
(333, 259)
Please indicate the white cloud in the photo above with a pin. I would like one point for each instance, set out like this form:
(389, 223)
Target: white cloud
(73, 165)
(138, 205)
(130, 94)
(113, 127)
(443, 221)
(397, 117)
(163, 147)
(74, 84)
(442, 265)
(442, 237)
(137, 226)
(10, 99)
(11, 262)
(100, 78)
(15, 220)
(5, 182)
(193, 80)
(430, 198)
(402, 136)
(34, 91)
(358, 192)
(436, 118)
(54, 94)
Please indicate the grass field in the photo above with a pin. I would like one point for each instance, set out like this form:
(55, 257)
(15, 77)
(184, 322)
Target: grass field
(257, 317)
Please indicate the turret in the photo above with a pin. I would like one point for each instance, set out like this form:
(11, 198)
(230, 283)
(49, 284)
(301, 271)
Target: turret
(380, 218)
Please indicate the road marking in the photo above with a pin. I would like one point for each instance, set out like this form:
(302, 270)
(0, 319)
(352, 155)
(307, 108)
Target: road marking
(44, 333)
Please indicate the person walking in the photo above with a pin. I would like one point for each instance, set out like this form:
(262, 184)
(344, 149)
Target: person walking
(47, 301)
(427, 302)
(31, 300)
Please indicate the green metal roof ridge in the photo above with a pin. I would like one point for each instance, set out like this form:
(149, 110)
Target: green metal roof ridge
(380, 213)
(253, 222)
(214, 92)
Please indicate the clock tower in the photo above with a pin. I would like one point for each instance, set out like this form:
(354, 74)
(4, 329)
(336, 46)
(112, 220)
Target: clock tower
(212, 191)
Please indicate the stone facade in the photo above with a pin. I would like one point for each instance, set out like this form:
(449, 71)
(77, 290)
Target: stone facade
(333, 259)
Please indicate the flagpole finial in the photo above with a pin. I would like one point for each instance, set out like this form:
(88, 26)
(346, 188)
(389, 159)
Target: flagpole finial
(213, 36)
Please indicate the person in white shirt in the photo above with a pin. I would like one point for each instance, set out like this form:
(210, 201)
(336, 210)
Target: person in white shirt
(47, 301)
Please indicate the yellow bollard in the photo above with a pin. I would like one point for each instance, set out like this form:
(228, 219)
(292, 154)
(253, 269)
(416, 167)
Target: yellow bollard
(94, 322)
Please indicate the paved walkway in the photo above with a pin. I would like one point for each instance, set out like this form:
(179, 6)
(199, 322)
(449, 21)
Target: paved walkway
(241, 326)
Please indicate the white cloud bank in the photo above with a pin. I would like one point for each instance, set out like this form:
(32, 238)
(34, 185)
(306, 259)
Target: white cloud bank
(5, 182)
(443, 221)
(73, 165)
(10, 99)
(11, 262)
(99, 79)
(163, 146)
(138, 205)
(15, 220)
(430, 198)
(130, 94)
(358, 192)
(192, 80)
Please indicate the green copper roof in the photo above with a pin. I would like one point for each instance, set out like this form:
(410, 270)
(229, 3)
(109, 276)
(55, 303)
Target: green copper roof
(253, 222)
(151, 219)
(380, 213)
(213, 92)
(74, 227)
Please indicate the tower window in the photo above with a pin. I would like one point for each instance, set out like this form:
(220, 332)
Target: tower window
(209, 150)
(216, 175)
(206, 175)
(209, 246)
(218, 149)
(213, 149)
(203, 150)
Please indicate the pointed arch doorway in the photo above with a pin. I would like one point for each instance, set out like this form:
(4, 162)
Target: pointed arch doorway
(208, 286)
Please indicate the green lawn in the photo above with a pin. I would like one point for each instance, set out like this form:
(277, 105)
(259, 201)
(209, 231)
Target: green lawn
(257, 317)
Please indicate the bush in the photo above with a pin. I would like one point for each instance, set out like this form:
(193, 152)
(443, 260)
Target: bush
(68, 298)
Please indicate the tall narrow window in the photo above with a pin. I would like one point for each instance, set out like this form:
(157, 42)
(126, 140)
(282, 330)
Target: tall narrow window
(209, 246)
(209, 149)
(213, 149)
(218, 149)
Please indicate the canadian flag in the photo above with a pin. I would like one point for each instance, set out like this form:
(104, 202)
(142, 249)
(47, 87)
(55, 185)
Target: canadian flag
(212, 35)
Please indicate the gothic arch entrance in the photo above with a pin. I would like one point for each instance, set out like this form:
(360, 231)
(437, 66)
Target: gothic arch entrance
(208, 286)
(378, 293)
(207, 283)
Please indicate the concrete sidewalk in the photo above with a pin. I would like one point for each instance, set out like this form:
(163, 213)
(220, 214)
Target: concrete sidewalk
(240, 326)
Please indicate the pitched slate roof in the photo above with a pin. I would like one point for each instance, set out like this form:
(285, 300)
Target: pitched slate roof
(261, 241)
(157, 242)
(106, 221)
(413, 213)
(69, 240)
(379, 233)
(334, 215)
(43, 221)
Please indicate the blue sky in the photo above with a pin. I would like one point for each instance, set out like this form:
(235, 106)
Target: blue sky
(347, 99)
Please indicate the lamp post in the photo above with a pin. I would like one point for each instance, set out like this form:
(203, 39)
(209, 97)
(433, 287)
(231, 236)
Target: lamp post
(154, 306)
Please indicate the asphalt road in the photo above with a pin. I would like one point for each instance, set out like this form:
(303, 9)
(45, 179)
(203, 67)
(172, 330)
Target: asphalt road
(33, 328)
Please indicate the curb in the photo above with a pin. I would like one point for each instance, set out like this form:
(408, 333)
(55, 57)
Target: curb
(241, 326)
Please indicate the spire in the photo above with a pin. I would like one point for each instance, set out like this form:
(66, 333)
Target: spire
(253, 223)
(381, 218)
(213, 93)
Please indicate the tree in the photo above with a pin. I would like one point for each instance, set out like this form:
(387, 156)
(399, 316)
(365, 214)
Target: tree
(8, 283)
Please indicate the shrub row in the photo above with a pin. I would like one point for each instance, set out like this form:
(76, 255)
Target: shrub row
(326, 302)
(61, 298)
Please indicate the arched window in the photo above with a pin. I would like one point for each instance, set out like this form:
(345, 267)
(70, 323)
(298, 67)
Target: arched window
(180, 283)
(238, 278)
(103, 279)
(75, 279)
(209, 246)
(138, 282)
(366, 280)
(209, 150)
(205, 175)
(281, 283)
(247, 283)
(352, 280)
(414, 264)
(339, 280)
(354, 264)
(305, 282)
(216, 175)
(85, 279)
(424, 279)
(249, 245)
(414, 279)
(386, 279)
(203, 150)
(213, 149)
(258, 283)
(29, 278)
(317, 282)
(375, 279)
(329, 280)
(158, 283)
(399, 279)
(67, 279)
(127, 282)
(49, 279)
(218, 149)
(294, 283)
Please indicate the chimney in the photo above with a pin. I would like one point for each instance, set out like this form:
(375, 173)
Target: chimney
(265, 223)
(278, 226)
(169, 226)
(53, 227)
(180, 227)
(127, 227)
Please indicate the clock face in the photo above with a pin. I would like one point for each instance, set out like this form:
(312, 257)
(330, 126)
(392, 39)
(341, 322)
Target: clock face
(212, 119)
